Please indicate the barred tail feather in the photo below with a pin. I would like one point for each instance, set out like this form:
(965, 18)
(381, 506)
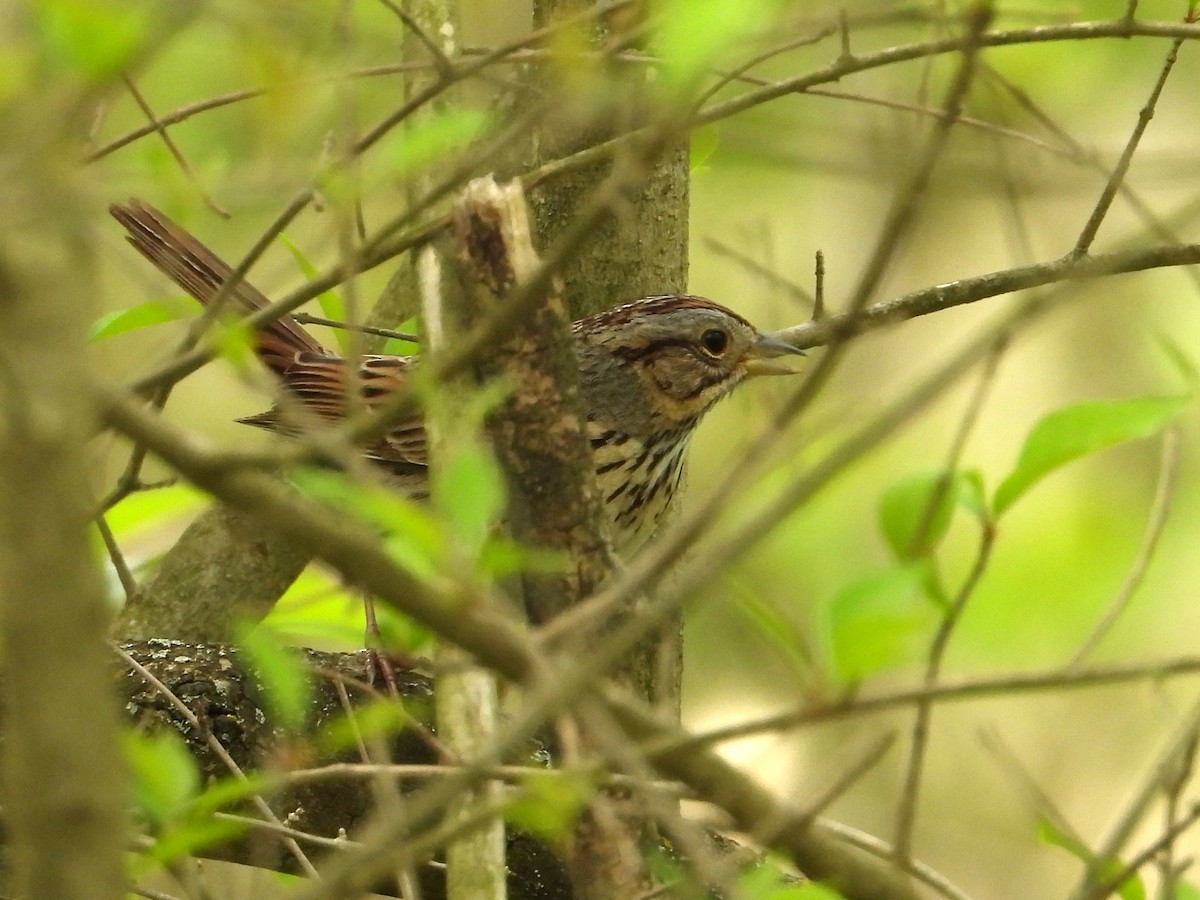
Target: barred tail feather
(200, 272)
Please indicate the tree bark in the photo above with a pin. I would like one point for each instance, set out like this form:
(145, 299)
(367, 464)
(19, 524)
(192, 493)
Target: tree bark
(63, 788)
(641, 252)
(224, 568)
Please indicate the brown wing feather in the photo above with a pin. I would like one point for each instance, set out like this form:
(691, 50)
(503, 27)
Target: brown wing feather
(319, 382)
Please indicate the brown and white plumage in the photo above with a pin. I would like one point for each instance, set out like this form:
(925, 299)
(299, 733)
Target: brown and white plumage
(649, 371)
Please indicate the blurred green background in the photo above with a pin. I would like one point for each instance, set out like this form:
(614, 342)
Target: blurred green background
(801, 174)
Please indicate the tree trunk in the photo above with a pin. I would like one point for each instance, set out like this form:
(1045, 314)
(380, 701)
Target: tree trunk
(63, 791)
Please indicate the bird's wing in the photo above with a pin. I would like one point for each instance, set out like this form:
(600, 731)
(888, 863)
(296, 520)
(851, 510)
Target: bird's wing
(319, 382)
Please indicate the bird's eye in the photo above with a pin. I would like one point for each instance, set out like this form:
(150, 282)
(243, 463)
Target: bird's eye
(714, 341)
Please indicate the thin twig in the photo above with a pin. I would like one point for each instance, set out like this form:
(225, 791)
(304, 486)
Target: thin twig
(922, 872)
(306, 319)
(870, 758)
(1166, 839)
(1041, 801)
(172, 147)
(1104, 202)
(442, 63)
(317, 840)
(1090, 158)
(947, 691)
(1174, 784)
(911, 192)
(151, 894)
(906, 807)
(128, 583)
(380, 250)
(818, 307)
(1152, 781)
(1160, 508)
(754, 267)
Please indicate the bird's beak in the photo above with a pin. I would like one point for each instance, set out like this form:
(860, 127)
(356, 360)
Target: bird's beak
(763, 357)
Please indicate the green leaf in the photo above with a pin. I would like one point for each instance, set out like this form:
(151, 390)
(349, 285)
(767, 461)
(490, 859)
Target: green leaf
(280, 673)
(163, 773)
(397, 347)
(319, 610)
(915, 512)
(703, 145)
(413, 537)
(228, 791)
(468, 490)
(1130, 889)
(152, 312)
(94, 38)
(549, 803)
(972, 495)
(765, 882)
(436, 137)
(233, 341)
(381, 718)
(880, 622)
(501, 557)
(773, 625)
(191, 836)
(145, 509)
(693, 33)
(1075, 431)
(330, 301)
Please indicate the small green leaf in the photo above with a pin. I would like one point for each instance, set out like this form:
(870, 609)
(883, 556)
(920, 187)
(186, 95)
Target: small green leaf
(233, 341)
(319, 610)
(500, 558)
(880, 622)
(972, 495)
(549, 803)
(381, 718)
(434, 138)
(191, 836)
(468, 490)
(281, 675)
(765, 882)
(163, 773)
(224, 792)
(704, 143)
(1075, 431)
(693, 33)
(1130, 889)
(773, 625)
(330, 301)
(915, 512)
(145, 509)
(413, 537)
(95, 38)
(152, 312)
(1051, 833)
(397, 347)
